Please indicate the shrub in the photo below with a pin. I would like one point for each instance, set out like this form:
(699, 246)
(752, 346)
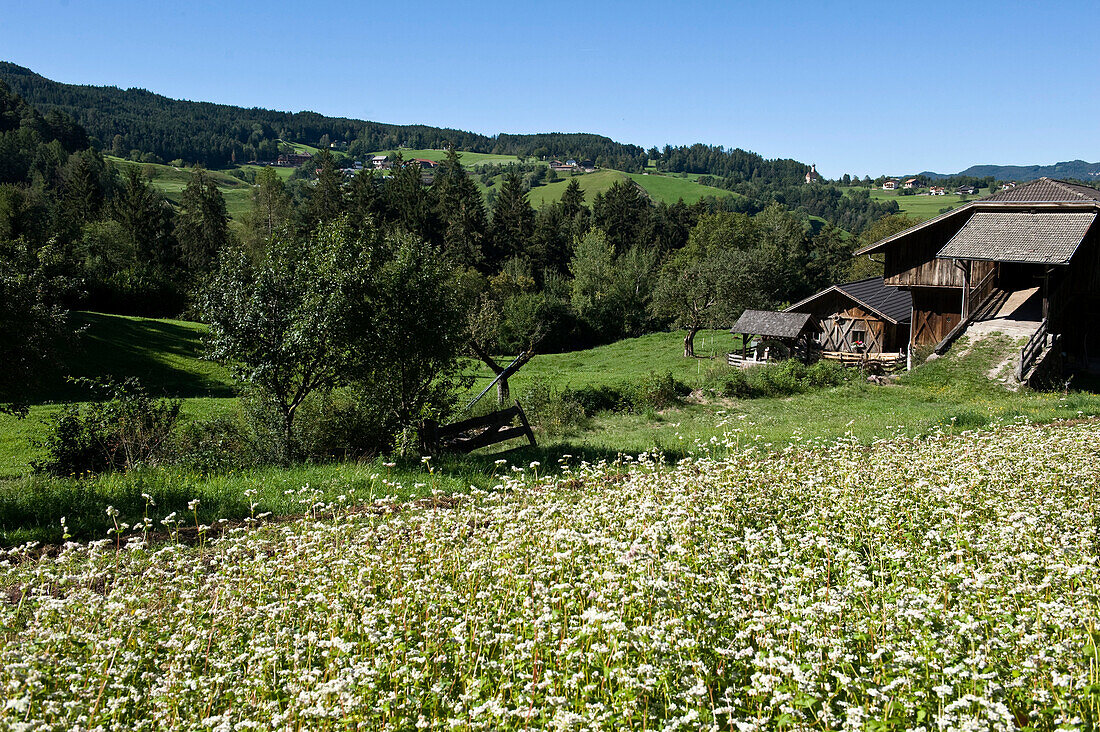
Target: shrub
(343, 424)
(214, 445)
(784, 379)
(659, 391)
(554, 412)
(736, 385)
(603, 398)
(127, 429)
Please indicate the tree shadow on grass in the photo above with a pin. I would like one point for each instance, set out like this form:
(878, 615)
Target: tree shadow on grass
(164, 355)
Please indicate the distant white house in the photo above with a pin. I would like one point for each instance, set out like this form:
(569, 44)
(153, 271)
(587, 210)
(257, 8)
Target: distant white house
(1008, 185)
(936, 191)
(380, 162)
(889, 185)
(910, 183)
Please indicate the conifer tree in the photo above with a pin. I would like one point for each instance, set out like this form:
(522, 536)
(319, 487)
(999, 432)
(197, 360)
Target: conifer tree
(513, 224)
(461, 212)
(327, 198)
(202, 227)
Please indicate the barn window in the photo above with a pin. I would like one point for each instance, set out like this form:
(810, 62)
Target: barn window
(859, 337)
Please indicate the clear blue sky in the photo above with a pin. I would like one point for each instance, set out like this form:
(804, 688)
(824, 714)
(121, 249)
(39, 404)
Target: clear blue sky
(859, 87)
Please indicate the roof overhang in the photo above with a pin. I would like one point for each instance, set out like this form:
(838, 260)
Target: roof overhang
(772, 324)
(840, 290)
(974, 206)
(1026, 237)
(882, 243)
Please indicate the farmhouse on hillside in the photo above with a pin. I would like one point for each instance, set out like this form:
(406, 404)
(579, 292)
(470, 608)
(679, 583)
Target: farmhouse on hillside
(1024, 261)
(865, 316)
(889, 185)
(911, 183)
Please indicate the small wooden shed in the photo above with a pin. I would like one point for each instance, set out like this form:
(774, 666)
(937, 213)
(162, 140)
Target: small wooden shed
(779, 336)
(865, 316)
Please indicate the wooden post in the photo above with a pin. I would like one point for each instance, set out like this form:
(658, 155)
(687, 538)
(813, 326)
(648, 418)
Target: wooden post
(966, 290)
(526, 426)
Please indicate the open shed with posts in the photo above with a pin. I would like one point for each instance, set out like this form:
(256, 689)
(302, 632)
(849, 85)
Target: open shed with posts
(767, 335)
(865, 316)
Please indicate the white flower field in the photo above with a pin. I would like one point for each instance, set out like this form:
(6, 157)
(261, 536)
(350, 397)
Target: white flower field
(947, 582)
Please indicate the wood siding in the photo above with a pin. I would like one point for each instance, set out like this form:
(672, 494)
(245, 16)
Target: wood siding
(1075, 302)
(911, 261)
(838, 320)
(935, 313)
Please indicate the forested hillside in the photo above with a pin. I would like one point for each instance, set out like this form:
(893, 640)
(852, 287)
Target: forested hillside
(1070, 169)
(128, 121)
(219, 134)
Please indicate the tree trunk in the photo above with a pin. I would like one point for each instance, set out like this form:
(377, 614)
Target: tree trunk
(689, 343)
(503, 394)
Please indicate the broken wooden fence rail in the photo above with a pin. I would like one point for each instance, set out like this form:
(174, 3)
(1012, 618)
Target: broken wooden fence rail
(470, 434)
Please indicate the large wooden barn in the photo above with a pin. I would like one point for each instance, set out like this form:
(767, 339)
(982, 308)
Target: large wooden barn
(865, 316)
(1034, 248)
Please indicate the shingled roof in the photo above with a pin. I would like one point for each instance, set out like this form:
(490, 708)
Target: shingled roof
(889, 303)
(1019, 236)
(1044, 193)
(770, 324)
(1045, 190)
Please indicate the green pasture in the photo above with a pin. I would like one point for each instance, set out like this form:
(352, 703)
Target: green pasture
(591, 184)
(671, 189)
(950, 394)
(467, 159)
(284, 173)
(920, 205)
(668, 189)
(171, 181)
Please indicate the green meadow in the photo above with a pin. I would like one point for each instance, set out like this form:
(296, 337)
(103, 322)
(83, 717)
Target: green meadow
(921, 206)
(950, 394)
(667, 189)
(171, 181)
(468, 159)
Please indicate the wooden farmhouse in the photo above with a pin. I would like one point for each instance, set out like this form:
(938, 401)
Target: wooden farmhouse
(1028, 256)
(865, 316)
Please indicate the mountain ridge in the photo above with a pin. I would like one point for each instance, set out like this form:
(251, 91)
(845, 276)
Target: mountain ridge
(1074, 169)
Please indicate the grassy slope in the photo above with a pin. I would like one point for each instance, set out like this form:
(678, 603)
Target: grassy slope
(659, 187)
(920, 206)
(163, 354)
(591, 183)
(670, 189)
(467, 158)
(171, 181)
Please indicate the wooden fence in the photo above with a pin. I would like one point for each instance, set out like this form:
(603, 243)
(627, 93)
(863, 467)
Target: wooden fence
(888, 362)
(470, 434)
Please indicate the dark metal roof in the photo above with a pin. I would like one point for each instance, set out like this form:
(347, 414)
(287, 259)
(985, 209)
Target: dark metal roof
(771, 324)
(1019, 236)
(889, 303)
(1045, 190)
